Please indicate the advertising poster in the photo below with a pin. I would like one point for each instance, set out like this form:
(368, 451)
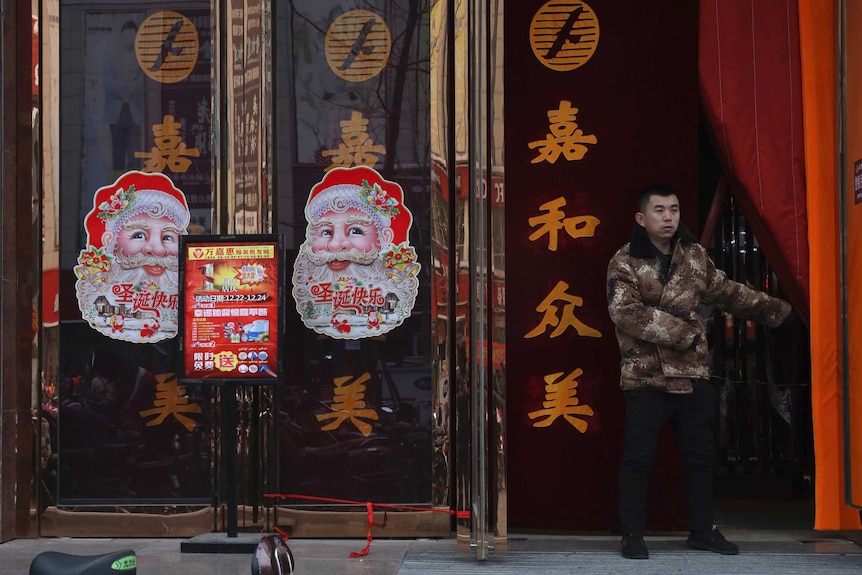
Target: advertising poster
(356, 274)
(230, 299)
(127, 274)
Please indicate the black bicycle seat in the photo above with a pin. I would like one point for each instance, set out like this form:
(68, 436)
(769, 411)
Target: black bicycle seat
(54, 563)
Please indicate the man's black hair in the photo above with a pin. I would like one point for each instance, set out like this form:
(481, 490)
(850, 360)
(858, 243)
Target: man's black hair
(129, 25)
(663, 190)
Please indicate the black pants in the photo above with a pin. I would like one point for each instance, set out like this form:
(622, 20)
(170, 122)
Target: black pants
(692, 417)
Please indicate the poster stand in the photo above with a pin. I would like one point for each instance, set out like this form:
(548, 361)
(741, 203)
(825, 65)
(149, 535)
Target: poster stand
(230, 295)
(228, 455)
(231, 541)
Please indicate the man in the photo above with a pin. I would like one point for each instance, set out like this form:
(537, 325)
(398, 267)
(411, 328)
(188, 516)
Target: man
(656, 285)
(128, 275)
(356, 274)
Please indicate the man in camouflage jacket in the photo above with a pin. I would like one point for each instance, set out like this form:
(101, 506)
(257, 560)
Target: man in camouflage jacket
(656, 285)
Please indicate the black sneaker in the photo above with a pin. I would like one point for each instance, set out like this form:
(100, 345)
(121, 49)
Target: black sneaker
(712, 540)
(632, 546)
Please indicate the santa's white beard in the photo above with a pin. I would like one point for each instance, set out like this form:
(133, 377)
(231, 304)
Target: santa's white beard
(306, 271)
(130, 269)
(365, 267)
(168, 282)
(313, 268)
(352, 255)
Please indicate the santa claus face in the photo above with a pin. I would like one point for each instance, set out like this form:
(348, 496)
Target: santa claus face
(152, 238)
(342, 235)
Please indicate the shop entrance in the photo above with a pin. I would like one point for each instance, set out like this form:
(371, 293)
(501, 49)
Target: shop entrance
(567, 211)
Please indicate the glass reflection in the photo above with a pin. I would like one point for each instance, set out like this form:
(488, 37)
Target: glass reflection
(356, 415)
(123, 100)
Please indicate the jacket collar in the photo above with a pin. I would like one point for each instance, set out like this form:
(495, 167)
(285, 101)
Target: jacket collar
(641, 247)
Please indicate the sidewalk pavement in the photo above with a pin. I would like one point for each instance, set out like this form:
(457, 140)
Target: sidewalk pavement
(762, 552)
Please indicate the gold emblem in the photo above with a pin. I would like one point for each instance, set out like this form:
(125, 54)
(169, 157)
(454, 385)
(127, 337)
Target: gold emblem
(357, 46)
(564, 35)
(167, 47)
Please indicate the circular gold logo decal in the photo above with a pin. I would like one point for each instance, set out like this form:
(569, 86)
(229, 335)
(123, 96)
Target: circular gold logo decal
(358, 45)
(167, 47)
(564, 35)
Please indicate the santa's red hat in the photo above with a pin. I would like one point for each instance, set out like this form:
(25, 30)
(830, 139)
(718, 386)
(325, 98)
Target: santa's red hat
(364, 189)
(132, 194)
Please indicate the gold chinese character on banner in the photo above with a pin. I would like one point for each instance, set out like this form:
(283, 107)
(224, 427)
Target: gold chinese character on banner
(348, 404)
(554, 220)
(171, 399)
(170, 151)
(565, 137)
(568, 319)
(561, 400)
(357, 147)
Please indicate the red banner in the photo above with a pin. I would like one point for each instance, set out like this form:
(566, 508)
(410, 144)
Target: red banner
(606, 103)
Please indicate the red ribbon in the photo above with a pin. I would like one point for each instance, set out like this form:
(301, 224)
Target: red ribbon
(364, 552)
(284, 534)
(370, 507)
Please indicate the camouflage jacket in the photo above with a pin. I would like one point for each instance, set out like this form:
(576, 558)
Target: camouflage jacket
(661, 335)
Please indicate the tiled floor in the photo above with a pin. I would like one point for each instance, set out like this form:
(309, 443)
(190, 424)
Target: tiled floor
(163, 556)
(773, 539)
(784, 552)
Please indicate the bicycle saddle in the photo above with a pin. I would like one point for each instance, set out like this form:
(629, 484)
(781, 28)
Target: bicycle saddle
(54, 563)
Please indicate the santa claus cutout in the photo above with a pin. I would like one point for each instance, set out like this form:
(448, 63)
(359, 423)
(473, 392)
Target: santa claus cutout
(127, 276)
(356, 274)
